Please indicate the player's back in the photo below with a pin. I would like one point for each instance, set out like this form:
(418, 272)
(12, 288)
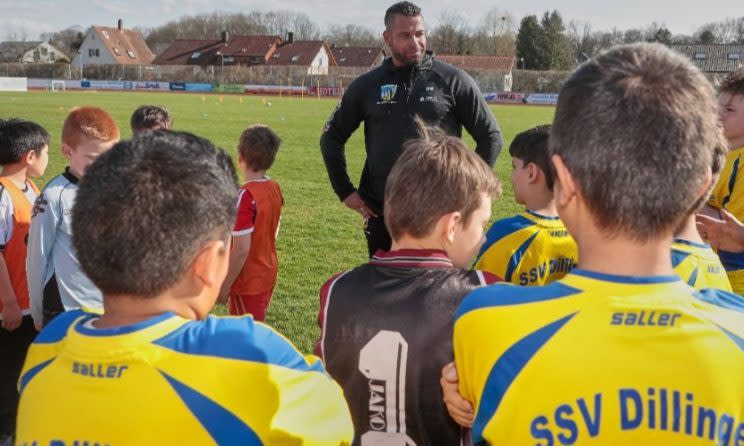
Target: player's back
(169, 380)
(528, 249)
(698, 265)
(386, 334)
(599, 359)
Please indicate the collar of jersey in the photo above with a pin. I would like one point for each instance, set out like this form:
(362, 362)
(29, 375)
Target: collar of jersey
(689, 243)
(541, 216)
(408, 258)
(70, 176)
(80, 326)
(630, 280)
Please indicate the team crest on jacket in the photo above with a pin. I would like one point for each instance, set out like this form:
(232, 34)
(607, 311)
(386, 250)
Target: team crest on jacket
(387, 93)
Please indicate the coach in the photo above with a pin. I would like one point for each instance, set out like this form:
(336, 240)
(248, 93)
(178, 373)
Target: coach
(411, 82)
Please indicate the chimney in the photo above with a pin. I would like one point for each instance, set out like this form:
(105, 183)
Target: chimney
(120, 24)
(225, 36)
(290, 37)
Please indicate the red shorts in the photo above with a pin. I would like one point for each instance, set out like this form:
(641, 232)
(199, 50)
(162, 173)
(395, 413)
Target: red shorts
(255, 304)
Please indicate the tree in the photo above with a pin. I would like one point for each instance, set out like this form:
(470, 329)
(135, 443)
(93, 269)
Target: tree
(67, 40)
(495, 34)
(555, 45)
(583, 42)
(659, 33)
(352, 35)
(706, 37)
(529, 43)
(451, 35)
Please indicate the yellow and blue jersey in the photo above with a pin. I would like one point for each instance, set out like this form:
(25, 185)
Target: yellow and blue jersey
(603, 359)
(528, 249)
(169, 380)
(698, 265)
(728, 193)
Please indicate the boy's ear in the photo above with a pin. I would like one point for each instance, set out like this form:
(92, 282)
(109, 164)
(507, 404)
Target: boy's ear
(29, 157)
(447, 225)
(564, 189)
(209, 266)
(532, 172)
(66, 151)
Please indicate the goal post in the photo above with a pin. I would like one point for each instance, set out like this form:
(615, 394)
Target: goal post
(57, 86)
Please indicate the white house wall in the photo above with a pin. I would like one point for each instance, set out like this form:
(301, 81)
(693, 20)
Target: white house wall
(319, 64)
(93, 41)
(52, 55)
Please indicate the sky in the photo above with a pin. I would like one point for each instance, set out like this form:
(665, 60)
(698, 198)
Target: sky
(32, 17)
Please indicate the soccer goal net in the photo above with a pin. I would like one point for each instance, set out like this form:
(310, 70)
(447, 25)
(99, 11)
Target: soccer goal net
(57, 86)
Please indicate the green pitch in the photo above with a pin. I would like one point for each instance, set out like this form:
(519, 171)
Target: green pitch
(318, 236)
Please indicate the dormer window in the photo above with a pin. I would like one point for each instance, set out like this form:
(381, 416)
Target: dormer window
(131, 54)
(701, 56)
(105, 34)
(295, 59)
(116, 50)
(734, 56)
(196, 55)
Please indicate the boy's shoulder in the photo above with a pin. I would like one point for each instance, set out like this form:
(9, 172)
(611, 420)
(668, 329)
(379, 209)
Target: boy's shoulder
(237, 338)
(501, 295)
(59, 183)
(522, 221)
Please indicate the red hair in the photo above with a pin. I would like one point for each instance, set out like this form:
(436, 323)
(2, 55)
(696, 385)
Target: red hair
(89, 122)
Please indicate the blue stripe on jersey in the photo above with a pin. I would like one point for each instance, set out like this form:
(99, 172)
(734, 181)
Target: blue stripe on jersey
(723, 299)
(236, 338)
(682, 241)
(678, 257)
(737, 340)
(732, 261)
(517, 257)
(542, 217)
(731, 183)
(501, 229)
(693, 277)
(125, 329)
(506, 370)
(28, 376)
(499, 294)
(637, 280)
(57, 329)
(223, 426)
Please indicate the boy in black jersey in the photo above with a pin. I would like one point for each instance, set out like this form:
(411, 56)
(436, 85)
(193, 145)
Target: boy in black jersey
(386, 326)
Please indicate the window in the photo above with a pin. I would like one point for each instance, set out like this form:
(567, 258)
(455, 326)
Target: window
(116, 50)
(52, 55)
(44, 51)
(196, 55)
(37, 57)
(295, 59)
(275, 56)
(701, 56)
(130, 53)
(105, 34)
(228, 59)
(734, 56)
(91, 52)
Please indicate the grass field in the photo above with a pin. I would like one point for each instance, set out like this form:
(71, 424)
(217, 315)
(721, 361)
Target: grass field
(319, 236)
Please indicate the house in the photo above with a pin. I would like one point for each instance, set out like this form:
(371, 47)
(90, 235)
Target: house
(498, 65)
(713, 59)
(315, 55)
(30, 52)
(105, 45)
(229, 50)
(358, 56)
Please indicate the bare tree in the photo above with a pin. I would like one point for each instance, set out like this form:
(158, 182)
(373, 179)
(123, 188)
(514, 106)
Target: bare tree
(583, 41)
(352, 35)
(451, 35)
(496, 34)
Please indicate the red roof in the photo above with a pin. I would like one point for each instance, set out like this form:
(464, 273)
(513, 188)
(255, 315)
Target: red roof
(126, 46)
(479, 63)
(300, 53)
(204, 52)
(356, 56)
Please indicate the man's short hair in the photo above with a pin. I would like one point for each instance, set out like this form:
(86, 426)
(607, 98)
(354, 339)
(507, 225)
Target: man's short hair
(531, 146)
(258, 146)
(148, 206)
(150, 117)
(436, 174)
(733, 83)
(637, 127)
(88, 122)
(18, 137)
(407, 9)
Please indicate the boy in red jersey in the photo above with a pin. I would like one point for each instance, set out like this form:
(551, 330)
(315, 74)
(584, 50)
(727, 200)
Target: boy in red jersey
(253, 269)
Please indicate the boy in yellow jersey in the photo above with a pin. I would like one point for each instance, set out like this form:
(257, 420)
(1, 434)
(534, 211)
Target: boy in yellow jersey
(534, 247)
(152, 223)
(695, 261)
(729, 191)
(24, 153)
(596, 357)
